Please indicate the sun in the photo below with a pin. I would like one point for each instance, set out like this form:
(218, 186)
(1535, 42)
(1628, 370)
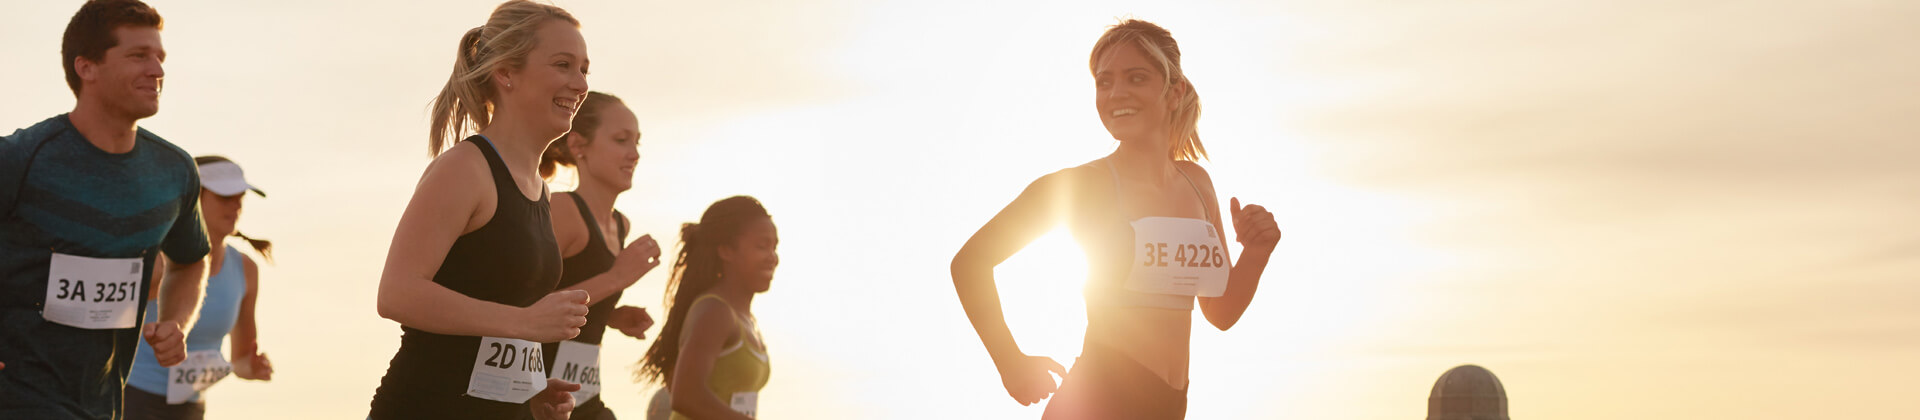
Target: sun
(1040, 293)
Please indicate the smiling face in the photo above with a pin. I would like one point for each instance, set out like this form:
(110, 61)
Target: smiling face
(548, 89)
(611, 155)
(127, 79)
(1130, 94)
(752, 256)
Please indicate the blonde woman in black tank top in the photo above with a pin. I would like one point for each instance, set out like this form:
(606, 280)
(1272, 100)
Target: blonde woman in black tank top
(1149, 221)
(470, 273)
(603, 149)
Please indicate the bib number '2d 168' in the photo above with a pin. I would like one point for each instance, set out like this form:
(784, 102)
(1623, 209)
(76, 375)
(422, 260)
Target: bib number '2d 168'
(199, 372)
(1177, 256)
(507, 370)
(93, 293)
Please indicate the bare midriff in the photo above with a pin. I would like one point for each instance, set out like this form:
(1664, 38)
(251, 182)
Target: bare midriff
(1153, 337)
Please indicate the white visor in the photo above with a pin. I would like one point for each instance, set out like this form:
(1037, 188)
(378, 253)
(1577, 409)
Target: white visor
(226, 179)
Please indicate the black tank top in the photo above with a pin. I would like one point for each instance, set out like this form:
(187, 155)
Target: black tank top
(591, 261)
(512, 260)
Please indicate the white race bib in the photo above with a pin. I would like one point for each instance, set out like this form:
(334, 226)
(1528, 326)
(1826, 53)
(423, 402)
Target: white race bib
(507, 370)
(1177, 256)
(578, 363)
(200, 371)
(746, 403)
(93, 293)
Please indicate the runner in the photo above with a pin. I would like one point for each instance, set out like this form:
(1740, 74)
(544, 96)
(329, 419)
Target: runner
(470, 274)
(1149, 221)
(709, 353)
(88, 202)
(169, 393)
(603, 148)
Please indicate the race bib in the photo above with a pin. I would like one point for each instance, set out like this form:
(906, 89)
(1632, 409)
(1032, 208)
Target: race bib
(1177, 256)
(579, 363)
(93, 293)
(746, 403)
(507, 370)
(200, 371)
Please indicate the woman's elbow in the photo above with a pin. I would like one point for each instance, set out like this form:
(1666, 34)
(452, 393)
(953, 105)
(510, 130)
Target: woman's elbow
(956, 269)
(1224, 324)
(1219, 317)
(387, 310)
(390, 306)
(963, 268)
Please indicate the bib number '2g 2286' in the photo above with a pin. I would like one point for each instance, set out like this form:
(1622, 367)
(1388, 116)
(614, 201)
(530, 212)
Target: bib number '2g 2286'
(199, 372)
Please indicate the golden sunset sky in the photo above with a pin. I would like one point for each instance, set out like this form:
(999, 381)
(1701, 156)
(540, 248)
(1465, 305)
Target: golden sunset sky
(1625, 209)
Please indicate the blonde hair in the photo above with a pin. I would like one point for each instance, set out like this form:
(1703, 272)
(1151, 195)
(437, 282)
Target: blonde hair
(1184, 116)
(467, 100)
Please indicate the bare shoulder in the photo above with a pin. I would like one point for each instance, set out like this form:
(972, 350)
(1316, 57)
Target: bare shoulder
(566, 214)
(253, 271)
(1201, 178)
(1076, 178)
(709, 316)
(458, 182)
(703, 309)
(461, 164)
(563, 209)
(1193, 169)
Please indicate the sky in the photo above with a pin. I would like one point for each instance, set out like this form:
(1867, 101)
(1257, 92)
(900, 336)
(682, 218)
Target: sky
(1624, 209)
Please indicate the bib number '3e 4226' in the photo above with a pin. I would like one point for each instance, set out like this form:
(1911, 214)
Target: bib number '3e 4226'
(1177, 256)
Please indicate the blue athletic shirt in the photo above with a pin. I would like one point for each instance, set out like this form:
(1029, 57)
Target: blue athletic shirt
(218, 312)
(60, 193)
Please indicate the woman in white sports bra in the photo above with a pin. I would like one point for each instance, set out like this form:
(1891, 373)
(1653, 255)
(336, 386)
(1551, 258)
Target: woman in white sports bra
(1149, 221)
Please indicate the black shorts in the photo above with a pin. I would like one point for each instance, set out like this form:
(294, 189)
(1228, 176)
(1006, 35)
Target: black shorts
(60, 372)
(1106, 384)
(143, 405)
(592, 409)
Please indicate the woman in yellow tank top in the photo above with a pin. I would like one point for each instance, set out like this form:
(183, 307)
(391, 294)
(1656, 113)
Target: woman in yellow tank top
(709, 354)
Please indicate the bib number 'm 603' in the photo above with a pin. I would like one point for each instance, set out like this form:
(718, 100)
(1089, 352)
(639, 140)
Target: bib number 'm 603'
(578, 363)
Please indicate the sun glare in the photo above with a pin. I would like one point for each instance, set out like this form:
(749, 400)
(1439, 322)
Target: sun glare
(1040, 294)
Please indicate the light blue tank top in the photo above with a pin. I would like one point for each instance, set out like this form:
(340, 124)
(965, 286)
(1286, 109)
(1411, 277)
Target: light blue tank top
(218, 310)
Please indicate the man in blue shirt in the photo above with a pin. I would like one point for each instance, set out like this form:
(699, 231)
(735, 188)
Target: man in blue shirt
(88, 200)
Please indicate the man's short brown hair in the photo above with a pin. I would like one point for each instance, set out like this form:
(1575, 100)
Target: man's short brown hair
(90, 33)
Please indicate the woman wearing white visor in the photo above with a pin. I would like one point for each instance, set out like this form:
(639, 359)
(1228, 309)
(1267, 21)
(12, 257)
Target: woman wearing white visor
(155, 392)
